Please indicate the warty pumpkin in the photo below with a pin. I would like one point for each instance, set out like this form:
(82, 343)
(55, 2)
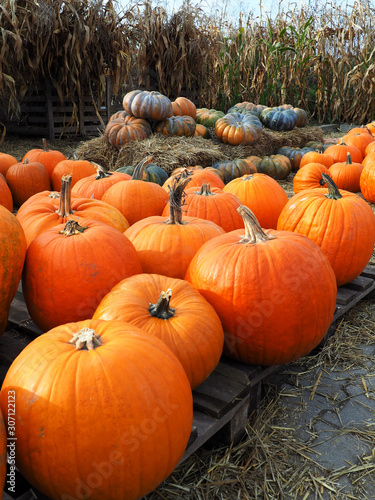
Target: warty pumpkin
(340, 222)
(64, 377)
(277, 296)
(174, 311)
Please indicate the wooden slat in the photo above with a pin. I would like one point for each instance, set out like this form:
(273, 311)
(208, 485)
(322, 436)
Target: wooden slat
(345, 295)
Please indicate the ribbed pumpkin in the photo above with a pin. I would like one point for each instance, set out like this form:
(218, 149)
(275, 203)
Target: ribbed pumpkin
(211, 204)
(310, 177)
(278, 118)
(174, 311)
(6, 198)
(208, 117)
(370, 149)
(6, 161)
(294, 154)
(317, 157)
(277, 296)
(346, 175)
(232, 169)
(166, 245)
(369, 158)
(94, 186)
(136, 198)
(75, 167)
(176, 126)
(121, 131)
(12, 256)
(47, 157)
(340, 222)
(48, 210)
(61, 380)
(201, 131)
(119, 114)
(360, 141)
(197, 176)
(262, 194)
(340, 150)
(182, 106)
(70, 267)
(238, 128)
(302, 118)
(276, 166)
(26, 179)
(147, 105)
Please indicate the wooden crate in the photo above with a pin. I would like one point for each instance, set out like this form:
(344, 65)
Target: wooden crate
(222, 403)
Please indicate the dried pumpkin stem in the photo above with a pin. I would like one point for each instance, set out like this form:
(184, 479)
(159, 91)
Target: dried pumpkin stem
(86, 339)
(72, 227)
(101, 172)
(333, 190)
(139, 168)
(176, 198)
(253, 232)
(205, 189)
(161, 309)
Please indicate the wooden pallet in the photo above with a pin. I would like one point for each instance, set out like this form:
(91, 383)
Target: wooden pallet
(222, 403)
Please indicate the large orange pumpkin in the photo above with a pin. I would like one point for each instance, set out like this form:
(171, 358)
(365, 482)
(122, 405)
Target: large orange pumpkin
(46, 210)
(60, 382)
(277, 296)
(166, 245)
(121, 131)
(262, 194)
(340, 150)
(173, 310)
(26, 179)
(310, 177)
(211, 204)
(12, 257)
(47, 157)
(137, 199)
(316, 157)
(69, 268)
(340, 222)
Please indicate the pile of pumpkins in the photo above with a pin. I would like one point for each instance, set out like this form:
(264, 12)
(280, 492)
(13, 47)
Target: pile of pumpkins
(140, 287)
(146, 112)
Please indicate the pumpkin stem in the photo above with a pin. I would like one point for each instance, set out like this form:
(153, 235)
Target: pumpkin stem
(333, 190)
(44, 145)
(161, 309)
(205, 189)
(101, 172)
(177, 196)
(253, 232)
(65, 207)
(139, 168)
(86, 339)
(348, 159)
(72, 227)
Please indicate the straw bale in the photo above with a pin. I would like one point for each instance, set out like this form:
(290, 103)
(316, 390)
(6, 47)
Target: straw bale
(172, 152)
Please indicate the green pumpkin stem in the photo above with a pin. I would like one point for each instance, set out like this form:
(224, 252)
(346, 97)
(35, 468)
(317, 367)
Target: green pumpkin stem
(139, 168)
(333, 190)
(253, 232)
(161, 309)
(72, 227)
(86, 339)
(177, 196)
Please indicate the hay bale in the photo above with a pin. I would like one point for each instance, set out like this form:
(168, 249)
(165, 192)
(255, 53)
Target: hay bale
(173, 152)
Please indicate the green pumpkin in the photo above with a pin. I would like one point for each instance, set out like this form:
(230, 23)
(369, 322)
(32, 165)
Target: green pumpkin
(208, 117)
(234, 169)
(278, 118)
(151, 173)
(276, 166)
(294, 155)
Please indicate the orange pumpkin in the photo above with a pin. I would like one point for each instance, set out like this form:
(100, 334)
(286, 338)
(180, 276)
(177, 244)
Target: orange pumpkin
(370, 148)
(122, 130)
(346, 175)
(174, 311)
(276, 285)
(238, 128)
(75, 167)
(340, 222)
(70, 267)
(316, 157)
(26, 179)
(6, 161)
(201, 131)
(136, 198)
(166, 245)
(367, 182)
(47, 210)
(63, 377)
(310, 177)
(360, 141)
(182, 106)
(340, 150)
(47, 157)
(369, 158)
(262, 194)
(94, 186)
(6, 198)
(211, 204)
(197, 176)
